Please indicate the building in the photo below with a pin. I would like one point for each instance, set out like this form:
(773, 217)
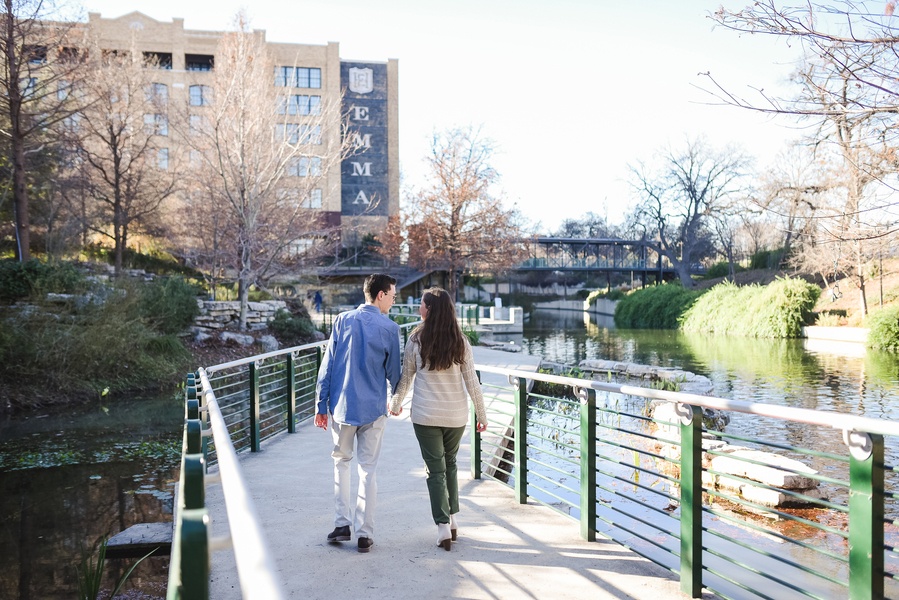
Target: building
(365, 192)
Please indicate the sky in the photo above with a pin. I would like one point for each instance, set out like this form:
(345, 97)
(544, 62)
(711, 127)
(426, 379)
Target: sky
(571, 92)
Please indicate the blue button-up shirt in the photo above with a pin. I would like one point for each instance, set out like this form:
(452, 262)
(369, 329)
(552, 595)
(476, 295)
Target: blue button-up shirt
(362, 356)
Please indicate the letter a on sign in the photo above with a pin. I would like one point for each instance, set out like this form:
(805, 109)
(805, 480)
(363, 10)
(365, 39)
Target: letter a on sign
(361, 198)
(361, 80)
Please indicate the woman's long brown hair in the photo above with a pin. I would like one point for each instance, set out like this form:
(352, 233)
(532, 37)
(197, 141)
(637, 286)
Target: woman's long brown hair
(440, 338)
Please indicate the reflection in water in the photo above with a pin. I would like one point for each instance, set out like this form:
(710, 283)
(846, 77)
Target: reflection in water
(779, 372)
(69, 479)
(782, 372)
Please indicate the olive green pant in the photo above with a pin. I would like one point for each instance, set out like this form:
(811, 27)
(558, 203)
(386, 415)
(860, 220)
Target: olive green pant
(439, 446)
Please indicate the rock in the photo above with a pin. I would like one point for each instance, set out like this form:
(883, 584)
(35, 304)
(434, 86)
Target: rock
(776, 471)
(269, 343)
(243, 340)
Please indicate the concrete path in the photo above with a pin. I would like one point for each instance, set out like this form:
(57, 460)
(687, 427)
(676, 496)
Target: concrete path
(504, 550)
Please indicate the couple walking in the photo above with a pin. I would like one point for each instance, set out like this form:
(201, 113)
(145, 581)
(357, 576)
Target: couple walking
(363, 355)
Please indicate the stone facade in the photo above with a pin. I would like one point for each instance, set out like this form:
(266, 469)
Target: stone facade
(217, 314)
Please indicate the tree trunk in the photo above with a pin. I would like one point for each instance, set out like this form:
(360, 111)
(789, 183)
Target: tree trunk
(243, 295)
(862, 298)
(683, 273)
(20, 202)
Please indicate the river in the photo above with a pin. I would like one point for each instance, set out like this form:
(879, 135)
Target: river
(69, 478)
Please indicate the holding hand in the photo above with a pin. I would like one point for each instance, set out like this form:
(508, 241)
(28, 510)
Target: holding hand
(321, 421)
(481, 427)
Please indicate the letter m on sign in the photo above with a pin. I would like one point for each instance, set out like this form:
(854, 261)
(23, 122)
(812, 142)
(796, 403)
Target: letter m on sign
(362, 169)
(362, 141)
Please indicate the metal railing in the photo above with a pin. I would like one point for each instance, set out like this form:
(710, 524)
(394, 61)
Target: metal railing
(231, 408)
(683, 491)
(745, 513)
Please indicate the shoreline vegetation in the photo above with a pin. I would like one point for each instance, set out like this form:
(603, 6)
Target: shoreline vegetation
(71, 333)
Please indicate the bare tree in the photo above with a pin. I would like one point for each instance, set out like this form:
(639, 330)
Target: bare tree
(679, 196)
(260, 168)
(40, 61)
(456, 222)
(121, 161)
(845, 89)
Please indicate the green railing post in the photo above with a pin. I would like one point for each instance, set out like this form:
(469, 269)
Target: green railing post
(691, 501)
(866, 517)
(475, 440)
(521, 439)
(588, 464)
(291, 395)
(194, 554)
(194, 493)
(255, 438)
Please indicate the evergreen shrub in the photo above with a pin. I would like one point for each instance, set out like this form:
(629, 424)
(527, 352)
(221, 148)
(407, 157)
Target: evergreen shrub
(291, 330)
(656, 307)
(766, 259)
(33, 278)
(883, 329)
(721, 269)
(169, 305)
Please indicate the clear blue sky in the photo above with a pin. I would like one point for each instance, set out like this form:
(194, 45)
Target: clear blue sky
(571, 91)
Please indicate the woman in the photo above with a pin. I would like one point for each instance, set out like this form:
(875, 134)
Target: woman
(439, 357)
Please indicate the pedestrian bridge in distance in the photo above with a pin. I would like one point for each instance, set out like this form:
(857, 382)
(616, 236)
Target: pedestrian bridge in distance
(639, 258)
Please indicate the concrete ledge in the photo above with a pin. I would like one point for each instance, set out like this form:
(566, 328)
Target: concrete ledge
(858, 335)
(140, 539)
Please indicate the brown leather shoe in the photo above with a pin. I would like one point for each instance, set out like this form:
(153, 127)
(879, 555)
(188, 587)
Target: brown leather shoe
(365, 544)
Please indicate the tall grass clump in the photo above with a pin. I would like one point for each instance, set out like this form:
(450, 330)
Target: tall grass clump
(657, 307)
(778, 310)
(883, 329)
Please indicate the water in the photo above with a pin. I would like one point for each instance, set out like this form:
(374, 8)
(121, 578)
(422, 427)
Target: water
(801, 373)
(70, 478)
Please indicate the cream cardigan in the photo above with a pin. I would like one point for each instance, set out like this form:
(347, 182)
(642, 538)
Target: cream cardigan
(438, 397)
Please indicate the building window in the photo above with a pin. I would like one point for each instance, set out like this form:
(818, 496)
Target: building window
(158, 60)
(156, 124)
(301, 246)
(313, 199)
(36, 55)
(300, 105)
(27, 85)
(200, 95)
(309, 78)
(305, 166)
(162, 158)
(158, 93)
(199, 62)
(196, 159)
(63, 89)
(302, 77)
(297, 133)
(197, 124)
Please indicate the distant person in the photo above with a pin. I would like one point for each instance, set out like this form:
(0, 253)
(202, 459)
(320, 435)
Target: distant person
(317, 301)
(439, 358)
(363, 355)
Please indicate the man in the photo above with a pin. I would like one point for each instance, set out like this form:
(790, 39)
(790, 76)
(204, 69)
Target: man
(362, 356)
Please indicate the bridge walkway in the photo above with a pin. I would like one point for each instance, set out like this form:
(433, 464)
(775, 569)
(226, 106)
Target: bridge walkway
(504, 550)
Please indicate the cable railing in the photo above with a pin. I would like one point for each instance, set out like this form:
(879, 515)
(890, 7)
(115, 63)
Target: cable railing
(746, 500)
(230, 408)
